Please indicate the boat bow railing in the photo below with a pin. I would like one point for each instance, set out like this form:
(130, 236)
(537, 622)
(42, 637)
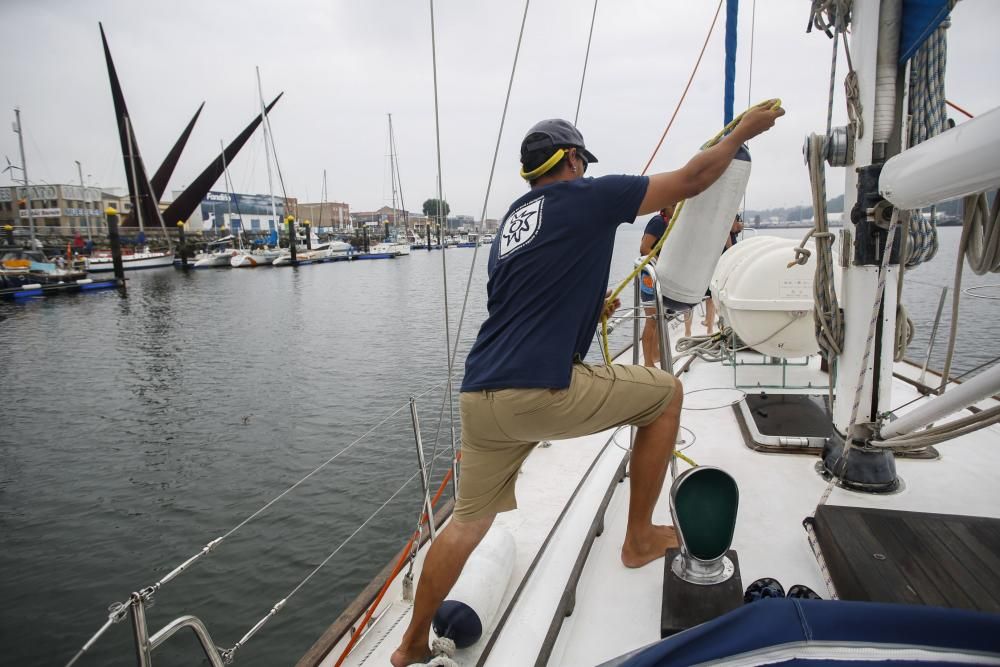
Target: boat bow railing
(135, 606)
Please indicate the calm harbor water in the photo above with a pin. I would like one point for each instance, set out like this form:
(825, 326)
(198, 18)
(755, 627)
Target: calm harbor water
(134, 431)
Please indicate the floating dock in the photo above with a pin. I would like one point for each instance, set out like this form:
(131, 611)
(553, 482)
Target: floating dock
(38, 289)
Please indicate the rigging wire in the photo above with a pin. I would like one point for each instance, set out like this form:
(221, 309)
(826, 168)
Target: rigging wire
(444, 263)
(453, 351)
(686, 88)
(586, 59)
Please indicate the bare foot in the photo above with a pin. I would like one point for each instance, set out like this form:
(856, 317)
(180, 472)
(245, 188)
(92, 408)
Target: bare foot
(402, 657)
(639, 551)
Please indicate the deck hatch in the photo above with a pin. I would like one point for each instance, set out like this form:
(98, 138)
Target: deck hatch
(912, 557)
(785, 422)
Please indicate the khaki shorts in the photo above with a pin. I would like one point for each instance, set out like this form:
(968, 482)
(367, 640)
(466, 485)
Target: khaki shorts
(500, 428)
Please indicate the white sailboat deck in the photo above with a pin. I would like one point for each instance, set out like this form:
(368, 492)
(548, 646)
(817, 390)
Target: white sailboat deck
(618, 609)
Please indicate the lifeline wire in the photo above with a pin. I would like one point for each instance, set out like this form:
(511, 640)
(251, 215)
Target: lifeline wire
(117, 614)
(743, 395)
(279, 605)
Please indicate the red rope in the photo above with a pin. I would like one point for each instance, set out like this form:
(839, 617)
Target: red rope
(403, 557)
(684, 94)
(955, 106)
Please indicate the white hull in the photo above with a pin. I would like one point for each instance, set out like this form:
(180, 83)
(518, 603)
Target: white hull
(215, 259)
(396, 249)
(618, 609)
(253, 259)
(143, 260)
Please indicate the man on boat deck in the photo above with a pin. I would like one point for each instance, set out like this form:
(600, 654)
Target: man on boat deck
(525, 380)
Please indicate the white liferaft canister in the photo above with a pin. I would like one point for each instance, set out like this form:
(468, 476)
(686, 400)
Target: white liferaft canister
(688, 256)
(768, 304)
(475, 598)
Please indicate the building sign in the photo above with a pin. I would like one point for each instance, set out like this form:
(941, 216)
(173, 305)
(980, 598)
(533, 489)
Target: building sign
(80, 212)
(241, 212)
(40, 192)
(42, 213)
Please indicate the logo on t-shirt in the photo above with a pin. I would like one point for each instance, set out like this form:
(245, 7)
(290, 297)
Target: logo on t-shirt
(521, 226)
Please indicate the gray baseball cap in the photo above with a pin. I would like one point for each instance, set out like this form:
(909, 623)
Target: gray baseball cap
(554, 133)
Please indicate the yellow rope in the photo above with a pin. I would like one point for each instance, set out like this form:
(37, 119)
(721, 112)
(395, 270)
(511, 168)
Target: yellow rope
(773, 104)
(686, 459)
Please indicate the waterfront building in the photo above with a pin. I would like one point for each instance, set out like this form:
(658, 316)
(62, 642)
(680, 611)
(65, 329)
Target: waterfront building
(239, 212)
(327, 216)
(381, 216)
(60, 209)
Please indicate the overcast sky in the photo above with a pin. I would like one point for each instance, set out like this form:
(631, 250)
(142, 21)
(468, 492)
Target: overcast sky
(344, 64)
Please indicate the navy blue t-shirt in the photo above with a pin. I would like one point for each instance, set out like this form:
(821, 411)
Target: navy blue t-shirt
(548, 273)
(656, 226)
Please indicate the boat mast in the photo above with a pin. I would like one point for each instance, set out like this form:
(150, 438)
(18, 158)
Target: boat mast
(229, 196)
(874, 29)
(399, 180)
(267, 153)
(322, 200)
(392, 178)
(84, 199)
(136, 205)
(24, 174)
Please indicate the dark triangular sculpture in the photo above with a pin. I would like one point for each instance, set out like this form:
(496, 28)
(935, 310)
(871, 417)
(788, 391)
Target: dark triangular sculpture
(166, 170)
(130, 153)
(186, 203)
(150, 191)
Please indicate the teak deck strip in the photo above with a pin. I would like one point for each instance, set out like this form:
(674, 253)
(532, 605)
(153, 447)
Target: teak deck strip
(912, 557)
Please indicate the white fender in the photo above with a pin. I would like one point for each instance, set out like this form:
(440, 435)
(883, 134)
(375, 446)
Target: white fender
(688, 257)
(475, 598)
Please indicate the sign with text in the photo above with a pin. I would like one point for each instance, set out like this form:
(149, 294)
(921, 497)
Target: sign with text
(42, 213)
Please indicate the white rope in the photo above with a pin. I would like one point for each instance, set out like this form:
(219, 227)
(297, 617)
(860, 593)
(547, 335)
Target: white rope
(980, 245)
(443, 650)
(876, 308)
(828, 318)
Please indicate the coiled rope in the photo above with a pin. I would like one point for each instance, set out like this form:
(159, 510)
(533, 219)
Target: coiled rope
(828, 318)
(928, 118)
(609, 302)
(980, 246)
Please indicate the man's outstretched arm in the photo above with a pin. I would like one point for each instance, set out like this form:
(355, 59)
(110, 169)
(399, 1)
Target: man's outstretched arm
(670, 187)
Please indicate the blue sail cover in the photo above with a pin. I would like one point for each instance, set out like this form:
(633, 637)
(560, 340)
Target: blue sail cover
(732, 9)
(920, 19)
(831, 632)
(272, 239)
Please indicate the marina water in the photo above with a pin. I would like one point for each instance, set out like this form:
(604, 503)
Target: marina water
(136, 430)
